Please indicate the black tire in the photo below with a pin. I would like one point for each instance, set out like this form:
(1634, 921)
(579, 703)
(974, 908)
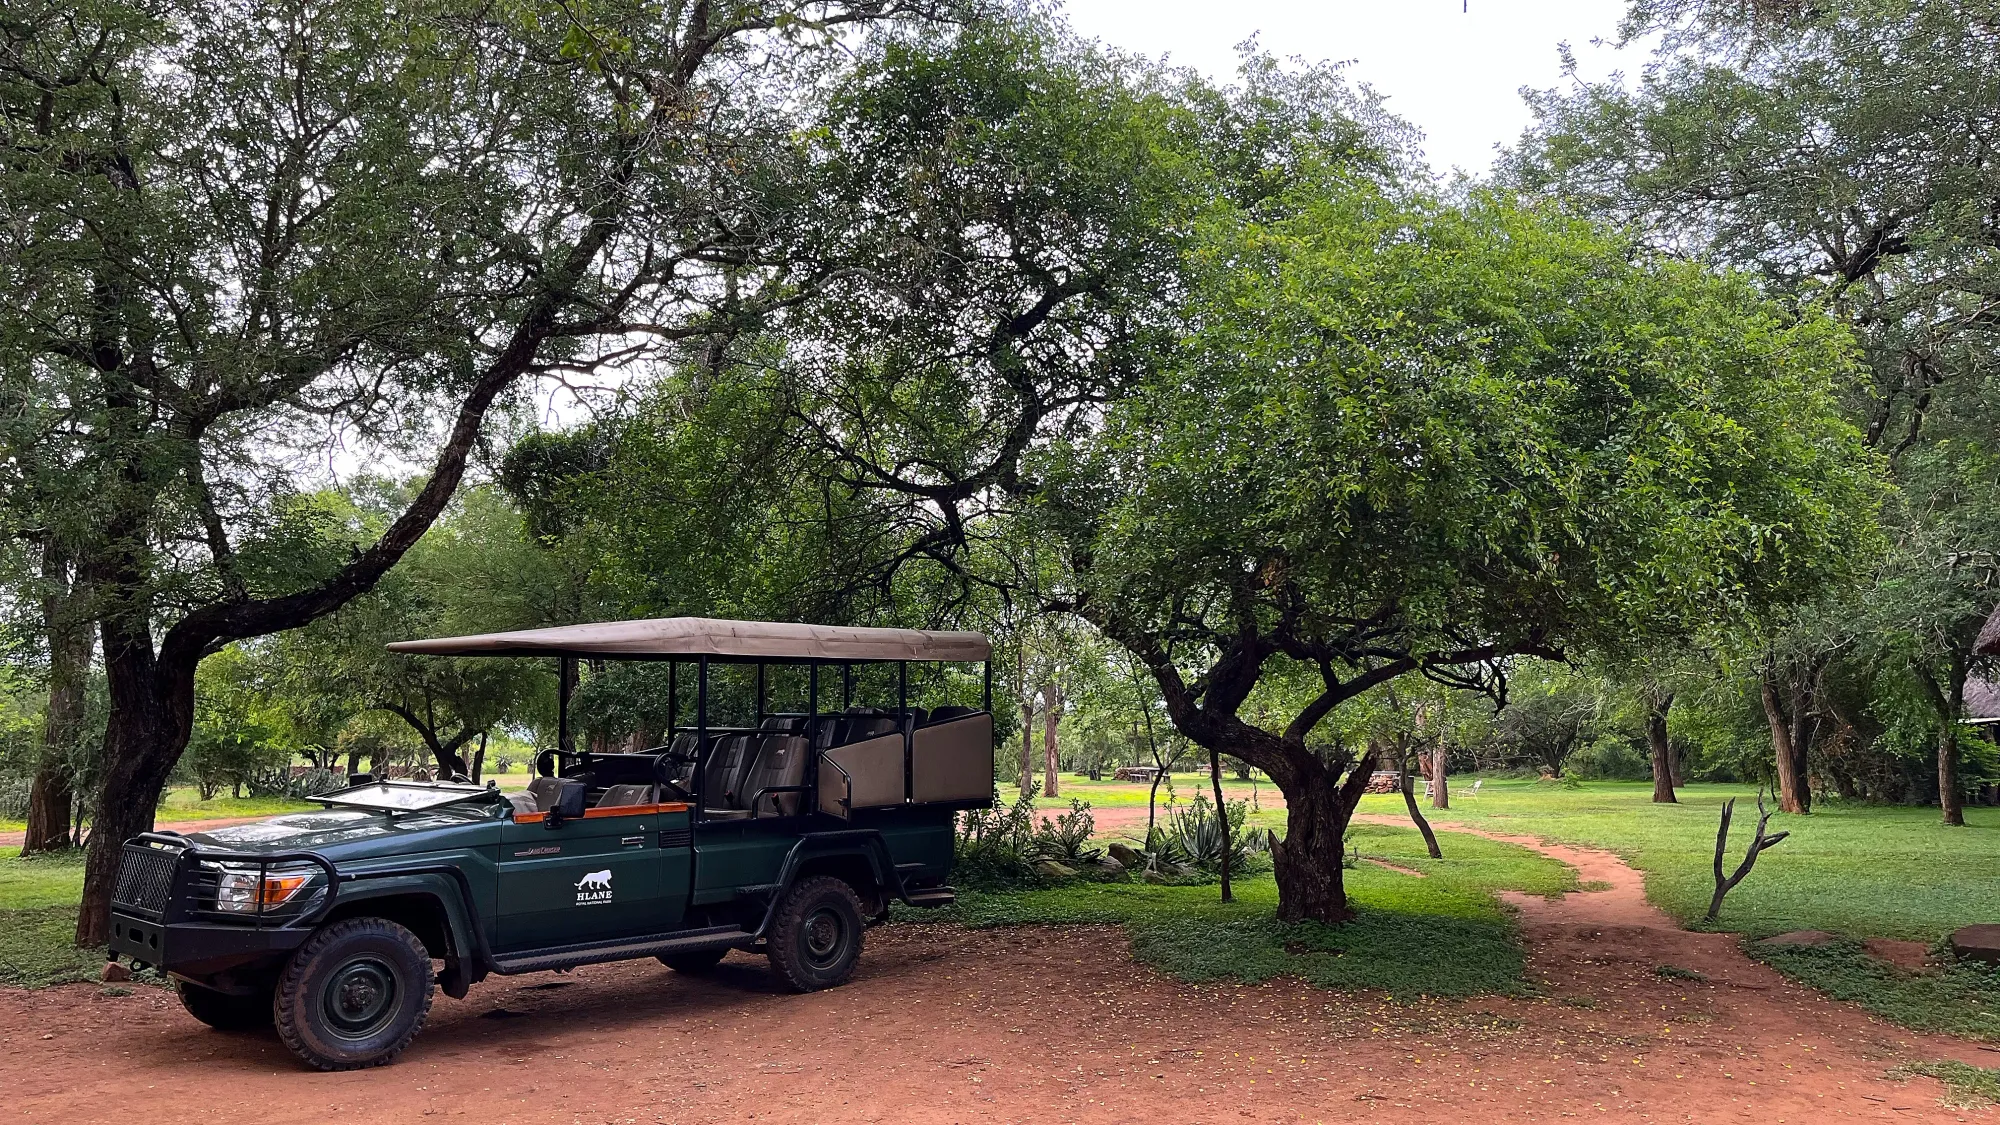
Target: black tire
(816, 937)
(354, 995)
(222, 1011)
(695, 964)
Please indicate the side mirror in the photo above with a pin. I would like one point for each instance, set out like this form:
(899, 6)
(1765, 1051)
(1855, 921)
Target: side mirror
(569, 805)
(545, 763)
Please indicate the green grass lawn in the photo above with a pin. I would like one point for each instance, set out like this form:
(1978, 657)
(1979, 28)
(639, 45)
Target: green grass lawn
(1863, 870)
(1857, 870)
(38, 899)
(1442, 935)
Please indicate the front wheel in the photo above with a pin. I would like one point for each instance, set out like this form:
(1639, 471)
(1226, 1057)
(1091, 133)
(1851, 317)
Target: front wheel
(354, 995)
(816, 938)
(222, 1011)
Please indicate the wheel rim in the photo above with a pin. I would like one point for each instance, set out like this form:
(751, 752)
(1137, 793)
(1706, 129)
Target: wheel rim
(825, 937)
(360, 997)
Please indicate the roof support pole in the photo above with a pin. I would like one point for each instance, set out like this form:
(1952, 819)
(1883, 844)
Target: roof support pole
(760, 695)
(565, 687)
(673, 699)
(986, 666)
(846, 686)
(700, 728)
(909, 728)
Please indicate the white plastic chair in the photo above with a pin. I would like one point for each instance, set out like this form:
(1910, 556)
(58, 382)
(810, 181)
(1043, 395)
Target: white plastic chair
(1475, 787)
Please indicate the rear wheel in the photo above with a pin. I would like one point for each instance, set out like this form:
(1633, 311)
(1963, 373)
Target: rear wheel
(695, 963)
(816, 937)
(225, 1012)
(354, 995)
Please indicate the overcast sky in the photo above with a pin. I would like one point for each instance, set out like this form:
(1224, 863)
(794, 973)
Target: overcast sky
(1454, 68)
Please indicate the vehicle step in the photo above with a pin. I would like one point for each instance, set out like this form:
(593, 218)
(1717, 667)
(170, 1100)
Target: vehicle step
(933, 896)
(569, 957)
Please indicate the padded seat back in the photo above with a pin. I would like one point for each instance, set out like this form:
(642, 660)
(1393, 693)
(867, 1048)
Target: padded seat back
(946, 714)
(722, 782)
(621, 795)
(781, 761)
(543, 791)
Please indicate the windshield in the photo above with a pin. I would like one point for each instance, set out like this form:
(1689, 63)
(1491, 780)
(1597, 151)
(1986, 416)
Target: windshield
(402, 796)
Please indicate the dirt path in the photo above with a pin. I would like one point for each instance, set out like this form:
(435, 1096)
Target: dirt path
(15, 838)
(943, 1024)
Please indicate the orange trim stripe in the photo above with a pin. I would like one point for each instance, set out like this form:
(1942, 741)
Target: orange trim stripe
(618, 810)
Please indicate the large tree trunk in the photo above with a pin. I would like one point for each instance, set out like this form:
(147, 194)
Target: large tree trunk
(1440, 784)
(1657, 703)
(1950, 799)
(1052, 709)
(1790, 736)
(50, 795)
(1307, 862)
(1948, 700)
(152, 714)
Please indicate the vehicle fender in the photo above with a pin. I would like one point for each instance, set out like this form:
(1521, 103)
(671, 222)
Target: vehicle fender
(865, 843)
(443, 883)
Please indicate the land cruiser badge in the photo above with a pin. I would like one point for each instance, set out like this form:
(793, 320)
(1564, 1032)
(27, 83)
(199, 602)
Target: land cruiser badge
(594, 888)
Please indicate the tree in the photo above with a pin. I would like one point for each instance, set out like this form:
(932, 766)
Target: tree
(1411, 438)
(1837, 152)
(236, 734)
(474, 571)
(241, 225)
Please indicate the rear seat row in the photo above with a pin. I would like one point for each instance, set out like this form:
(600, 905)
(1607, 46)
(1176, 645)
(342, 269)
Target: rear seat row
(765, 767)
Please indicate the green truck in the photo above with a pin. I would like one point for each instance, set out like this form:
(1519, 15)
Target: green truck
(786, 834)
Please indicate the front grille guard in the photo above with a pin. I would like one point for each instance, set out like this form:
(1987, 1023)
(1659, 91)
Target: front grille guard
(194, 885)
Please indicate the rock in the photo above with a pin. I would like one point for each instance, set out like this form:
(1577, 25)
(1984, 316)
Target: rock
(115, 971)
(1152, 876)
(1127, 855)
(1050, 869)
(1977, 943)
(1802, 937)
(1112, 870)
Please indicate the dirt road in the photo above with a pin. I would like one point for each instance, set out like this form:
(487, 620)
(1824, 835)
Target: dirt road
(943, 1024)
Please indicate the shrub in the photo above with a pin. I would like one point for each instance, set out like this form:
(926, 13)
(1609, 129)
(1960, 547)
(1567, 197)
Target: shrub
(1001, 845)
(1192, 837)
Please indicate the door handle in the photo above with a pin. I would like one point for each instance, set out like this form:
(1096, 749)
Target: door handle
(633, 841)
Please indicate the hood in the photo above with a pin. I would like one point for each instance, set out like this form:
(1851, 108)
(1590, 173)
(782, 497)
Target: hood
(339, 829)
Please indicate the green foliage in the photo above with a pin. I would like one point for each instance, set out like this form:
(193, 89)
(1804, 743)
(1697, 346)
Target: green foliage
(38, 921)
(1953, 999)
(1484, 405)
(1192, 837)
(236, 730)
(999, 846)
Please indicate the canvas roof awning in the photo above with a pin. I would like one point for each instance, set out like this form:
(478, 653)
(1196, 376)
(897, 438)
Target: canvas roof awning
(707, 636)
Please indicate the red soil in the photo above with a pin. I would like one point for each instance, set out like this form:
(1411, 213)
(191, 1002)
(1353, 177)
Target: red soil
(943, 1024)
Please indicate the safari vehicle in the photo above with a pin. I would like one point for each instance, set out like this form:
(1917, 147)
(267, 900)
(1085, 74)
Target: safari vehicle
(784, 835)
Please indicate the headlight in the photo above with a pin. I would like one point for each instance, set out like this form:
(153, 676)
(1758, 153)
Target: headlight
(243, 892)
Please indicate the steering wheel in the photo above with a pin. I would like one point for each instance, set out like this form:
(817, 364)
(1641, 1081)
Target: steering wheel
(663, 775)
